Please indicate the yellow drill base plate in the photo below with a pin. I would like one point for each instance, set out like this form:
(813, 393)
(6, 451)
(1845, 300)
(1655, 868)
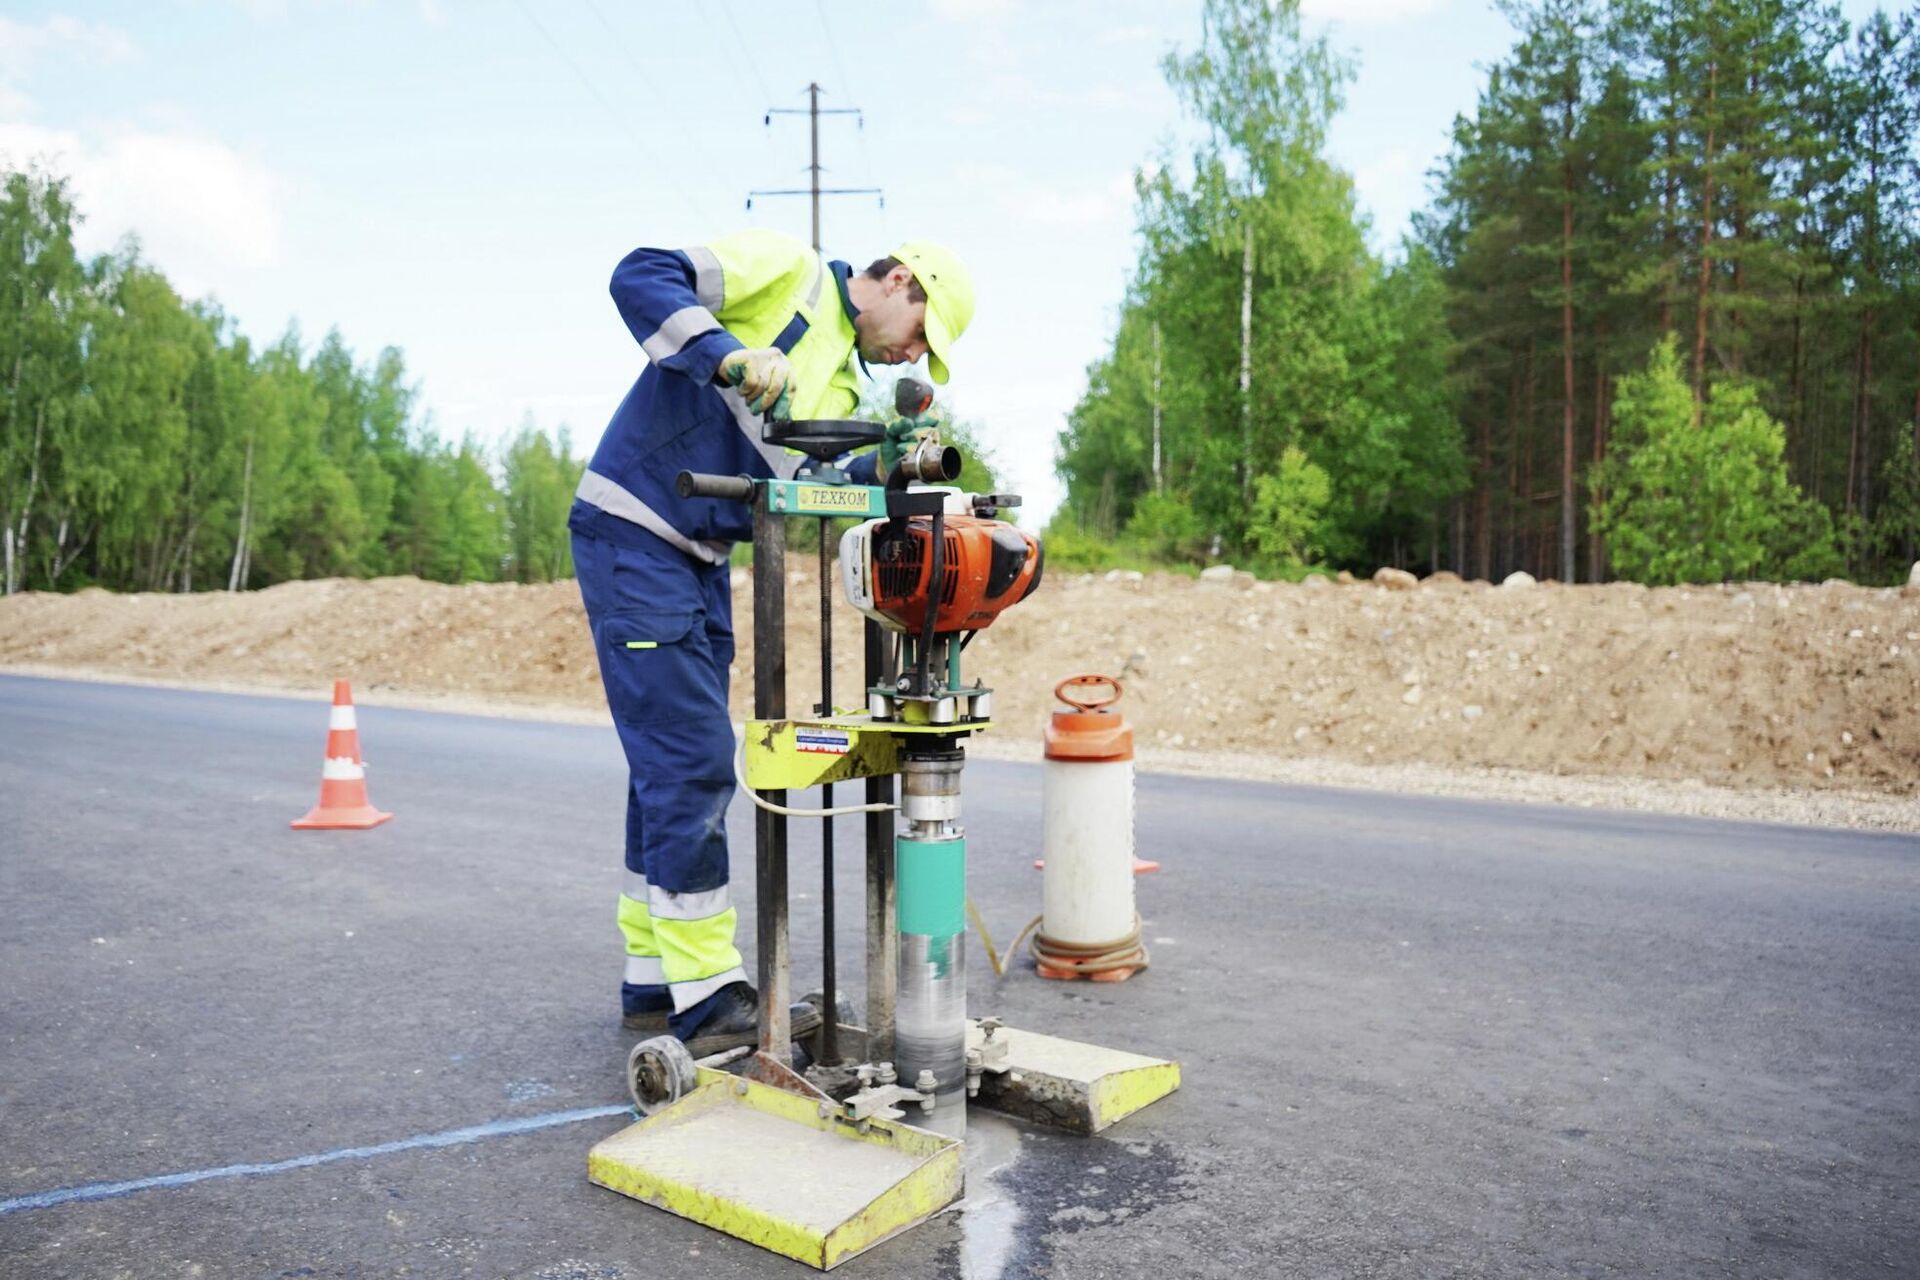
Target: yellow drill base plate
(761, 1165)
(1066, 1084)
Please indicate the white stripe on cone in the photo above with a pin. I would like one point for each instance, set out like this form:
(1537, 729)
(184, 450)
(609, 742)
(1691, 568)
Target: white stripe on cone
(341, 718)
(342, 769)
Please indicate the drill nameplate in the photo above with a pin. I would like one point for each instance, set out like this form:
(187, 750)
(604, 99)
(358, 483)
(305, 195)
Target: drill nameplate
(805, 498)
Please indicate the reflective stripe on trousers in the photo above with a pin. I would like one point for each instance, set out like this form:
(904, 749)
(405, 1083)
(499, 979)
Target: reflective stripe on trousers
(663, 632)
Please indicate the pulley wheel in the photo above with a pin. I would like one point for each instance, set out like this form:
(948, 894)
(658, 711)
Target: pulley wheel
(660, 1072)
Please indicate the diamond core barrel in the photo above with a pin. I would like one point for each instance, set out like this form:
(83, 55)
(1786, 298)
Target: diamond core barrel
(930, 1027)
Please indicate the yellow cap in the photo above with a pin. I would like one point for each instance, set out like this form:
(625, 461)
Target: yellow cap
(949, 291)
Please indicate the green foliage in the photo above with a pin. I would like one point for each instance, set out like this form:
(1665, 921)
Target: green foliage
(1167, 528)
(1346, 357)
(1287, 510)
(1895, 531)
(146, 446)
(1073, 549)
(541, 478)
(1706, 500)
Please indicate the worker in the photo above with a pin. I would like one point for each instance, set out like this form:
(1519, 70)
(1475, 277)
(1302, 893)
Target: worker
(749, 324)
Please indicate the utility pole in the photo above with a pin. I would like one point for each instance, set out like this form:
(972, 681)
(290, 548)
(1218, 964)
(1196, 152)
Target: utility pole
(813, 113)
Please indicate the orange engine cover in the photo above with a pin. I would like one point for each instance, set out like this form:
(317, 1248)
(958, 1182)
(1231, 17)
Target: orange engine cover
(987, 565)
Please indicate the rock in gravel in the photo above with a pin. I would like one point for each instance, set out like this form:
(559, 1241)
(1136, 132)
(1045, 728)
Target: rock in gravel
(1315, 581)
(1217, 575)
(1344, 578)
(1394, 579)
(1518, 578)
(1442, 578)
(1913, 577)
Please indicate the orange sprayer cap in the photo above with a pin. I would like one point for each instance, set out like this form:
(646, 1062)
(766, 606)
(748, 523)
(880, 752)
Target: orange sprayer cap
(1092, 730)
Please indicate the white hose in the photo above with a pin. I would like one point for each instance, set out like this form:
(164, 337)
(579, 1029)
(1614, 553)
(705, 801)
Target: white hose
(740, 776)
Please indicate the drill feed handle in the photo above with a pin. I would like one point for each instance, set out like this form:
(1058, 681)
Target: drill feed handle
(695, 484)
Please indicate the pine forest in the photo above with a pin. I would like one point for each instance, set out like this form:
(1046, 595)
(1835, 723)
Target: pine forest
(1660, 322)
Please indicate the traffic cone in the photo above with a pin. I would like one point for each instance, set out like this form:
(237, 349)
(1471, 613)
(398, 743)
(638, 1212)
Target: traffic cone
(343, 778)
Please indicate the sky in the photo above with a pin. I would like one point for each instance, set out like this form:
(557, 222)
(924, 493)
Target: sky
(459, 179)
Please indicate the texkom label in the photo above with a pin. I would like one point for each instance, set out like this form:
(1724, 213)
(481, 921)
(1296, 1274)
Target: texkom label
(829, 742)
(820, 497)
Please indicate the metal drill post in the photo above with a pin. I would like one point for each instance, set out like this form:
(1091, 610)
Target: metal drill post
(830, 980)
(883, 938)
(770, 843)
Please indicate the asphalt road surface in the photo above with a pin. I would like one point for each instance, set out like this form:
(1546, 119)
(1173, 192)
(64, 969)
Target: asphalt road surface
(1422, 1037)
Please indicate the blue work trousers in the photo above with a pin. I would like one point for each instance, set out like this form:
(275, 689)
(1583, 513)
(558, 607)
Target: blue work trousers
(663, 631)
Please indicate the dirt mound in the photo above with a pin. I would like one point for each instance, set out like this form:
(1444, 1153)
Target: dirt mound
(1756, 685)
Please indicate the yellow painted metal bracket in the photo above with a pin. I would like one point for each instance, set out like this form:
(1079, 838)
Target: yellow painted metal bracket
(790, 755)
(764, 1166)
(1082, 1088)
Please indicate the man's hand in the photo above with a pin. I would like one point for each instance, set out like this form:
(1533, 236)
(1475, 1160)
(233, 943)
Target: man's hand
(763, 376)
(902, 435)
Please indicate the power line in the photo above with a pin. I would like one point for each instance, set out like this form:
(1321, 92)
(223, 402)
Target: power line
(618, 43)
(846, 87)
(746, 53)
(846, 81)
(613, 113)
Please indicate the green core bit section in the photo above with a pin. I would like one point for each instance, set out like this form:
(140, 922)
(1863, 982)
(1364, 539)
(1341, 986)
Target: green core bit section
(931, 885)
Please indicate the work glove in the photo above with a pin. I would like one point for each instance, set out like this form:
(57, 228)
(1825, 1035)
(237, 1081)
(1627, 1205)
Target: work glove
(764, 377)
(902, 436)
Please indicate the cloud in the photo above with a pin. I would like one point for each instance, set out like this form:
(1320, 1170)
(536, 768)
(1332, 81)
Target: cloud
(202, 210)
(1391, 185)
(1367, 12)
(1011, 88)
(1047, 203)
(1086, 207)
(22, 44)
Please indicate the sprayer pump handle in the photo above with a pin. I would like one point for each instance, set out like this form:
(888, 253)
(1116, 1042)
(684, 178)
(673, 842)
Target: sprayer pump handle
(1083, 687)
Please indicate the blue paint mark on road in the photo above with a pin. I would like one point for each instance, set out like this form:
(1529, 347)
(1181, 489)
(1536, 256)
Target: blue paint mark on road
(420, 1141)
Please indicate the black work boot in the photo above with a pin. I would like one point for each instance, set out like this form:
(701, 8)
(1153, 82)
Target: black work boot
(735, 1021)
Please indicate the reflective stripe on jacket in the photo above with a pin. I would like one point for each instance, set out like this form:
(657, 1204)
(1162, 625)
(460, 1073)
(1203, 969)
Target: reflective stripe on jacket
(688, 308)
